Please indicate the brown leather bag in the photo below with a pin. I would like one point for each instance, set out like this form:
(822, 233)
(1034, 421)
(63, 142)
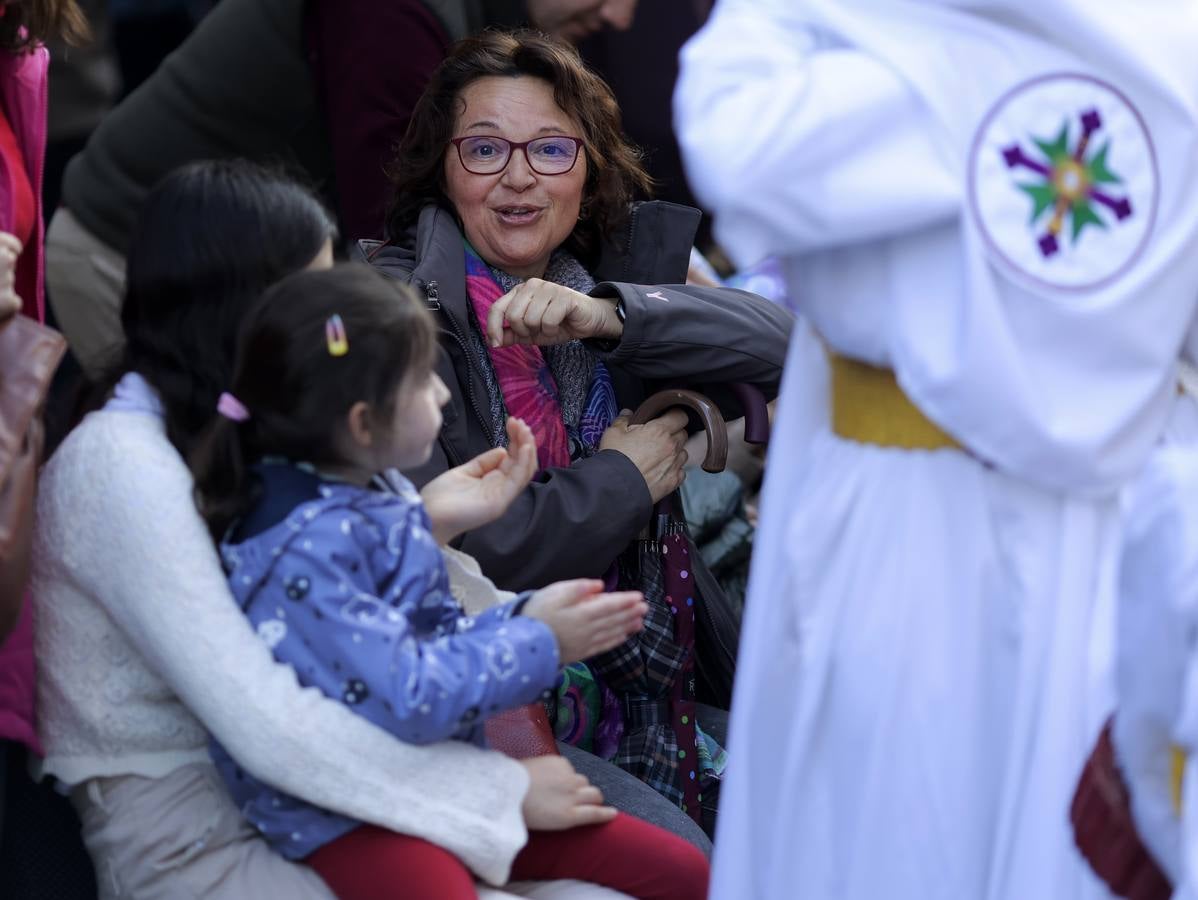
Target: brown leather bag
(29, 355)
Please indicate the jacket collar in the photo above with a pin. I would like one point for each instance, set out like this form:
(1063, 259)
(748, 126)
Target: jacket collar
(134, 394)
(654, 246)
(440, 262)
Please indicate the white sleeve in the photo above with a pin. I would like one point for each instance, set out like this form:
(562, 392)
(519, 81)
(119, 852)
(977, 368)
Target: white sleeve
(158, 576)
(1179, 587)
(1156, 654)
(1150, 653)
(794, 143)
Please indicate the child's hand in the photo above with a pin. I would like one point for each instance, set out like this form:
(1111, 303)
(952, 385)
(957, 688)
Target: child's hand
(559, 798)
(481, 490)
(584, 620)
(10, 249)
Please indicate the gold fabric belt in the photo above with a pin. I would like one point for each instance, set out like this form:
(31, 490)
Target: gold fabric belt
(1177, 771)
(869, 407)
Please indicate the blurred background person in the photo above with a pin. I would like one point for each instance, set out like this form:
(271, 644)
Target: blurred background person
(85, 82)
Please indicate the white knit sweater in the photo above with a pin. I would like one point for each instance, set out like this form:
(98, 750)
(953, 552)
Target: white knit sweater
(142, 651)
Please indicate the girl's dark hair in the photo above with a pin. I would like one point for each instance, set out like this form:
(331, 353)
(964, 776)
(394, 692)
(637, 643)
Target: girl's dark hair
(297, 392)
(26, 24)
(614, 171)
(211, 238)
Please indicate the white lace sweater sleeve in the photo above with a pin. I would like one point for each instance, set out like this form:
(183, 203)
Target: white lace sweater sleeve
(138, 632)
(780, 130)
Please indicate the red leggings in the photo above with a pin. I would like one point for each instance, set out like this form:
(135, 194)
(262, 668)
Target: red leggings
(626, 855)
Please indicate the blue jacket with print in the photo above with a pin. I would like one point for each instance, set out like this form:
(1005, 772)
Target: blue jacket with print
(348, 586)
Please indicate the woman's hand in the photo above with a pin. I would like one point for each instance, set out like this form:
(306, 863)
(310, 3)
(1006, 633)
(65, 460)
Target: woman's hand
(541, 312)
(10, 249)
(559, 798)
(657, 449)
(585, 621)
(481, 490)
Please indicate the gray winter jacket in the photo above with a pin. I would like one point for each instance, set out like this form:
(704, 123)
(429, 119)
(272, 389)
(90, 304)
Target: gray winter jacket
(574, 522)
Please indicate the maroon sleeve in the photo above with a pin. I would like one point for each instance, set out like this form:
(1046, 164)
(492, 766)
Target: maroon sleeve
(371, 60)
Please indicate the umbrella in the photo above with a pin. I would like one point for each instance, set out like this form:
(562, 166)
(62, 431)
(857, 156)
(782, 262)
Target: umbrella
(654, 672)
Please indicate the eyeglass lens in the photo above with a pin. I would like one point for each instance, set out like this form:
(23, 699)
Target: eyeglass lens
(487, 155)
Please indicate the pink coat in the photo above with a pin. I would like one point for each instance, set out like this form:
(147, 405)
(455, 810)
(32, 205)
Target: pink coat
(23, 92)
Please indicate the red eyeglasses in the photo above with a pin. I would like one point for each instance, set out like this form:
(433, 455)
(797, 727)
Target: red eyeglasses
(554, 154)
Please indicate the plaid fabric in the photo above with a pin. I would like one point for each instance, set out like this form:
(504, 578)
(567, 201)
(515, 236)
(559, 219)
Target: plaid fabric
(648, 664)
(651, 754)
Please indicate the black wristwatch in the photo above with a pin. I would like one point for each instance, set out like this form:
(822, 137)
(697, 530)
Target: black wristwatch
(607, 345)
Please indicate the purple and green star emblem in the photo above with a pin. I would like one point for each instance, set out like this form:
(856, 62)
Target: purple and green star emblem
(1074, 184)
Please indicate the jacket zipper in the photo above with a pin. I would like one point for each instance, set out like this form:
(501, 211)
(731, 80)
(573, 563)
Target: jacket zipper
(430, 295)
(628, 242)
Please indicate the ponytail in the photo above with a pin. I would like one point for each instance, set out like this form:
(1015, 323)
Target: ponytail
(220, 464)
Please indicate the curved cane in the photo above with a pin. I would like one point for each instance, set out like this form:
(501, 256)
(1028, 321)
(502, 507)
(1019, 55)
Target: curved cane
(709, 414)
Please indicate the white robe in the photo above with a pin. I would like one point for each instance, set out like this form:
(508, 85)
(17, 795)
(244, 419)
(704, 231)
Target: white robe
(926, 656)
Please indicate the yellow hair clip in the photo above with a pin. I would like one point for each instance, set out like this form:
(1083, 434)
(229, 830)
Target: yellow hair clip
(334, 333)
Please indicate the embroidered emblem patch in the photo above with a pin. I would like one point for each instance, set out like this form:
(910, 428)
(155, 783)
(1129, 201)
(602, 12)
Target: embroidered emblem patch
(1063, 181)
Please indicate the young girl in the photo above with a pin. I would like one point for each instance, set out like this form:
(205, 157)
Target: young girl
(340, 571)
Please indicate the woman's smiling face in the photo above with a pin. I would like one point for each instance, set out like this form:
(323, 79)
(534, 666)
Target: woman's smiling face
(516, 218)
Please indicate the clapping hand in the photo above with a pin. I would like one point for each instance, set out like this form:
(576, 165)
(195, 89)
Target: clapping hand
(481, 490)
(10, 249)
(584, 620)
(541, 312)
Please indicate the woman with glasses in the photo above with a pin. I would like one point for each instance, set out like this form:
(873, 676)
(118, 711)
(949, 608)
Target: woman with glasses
(559, 301)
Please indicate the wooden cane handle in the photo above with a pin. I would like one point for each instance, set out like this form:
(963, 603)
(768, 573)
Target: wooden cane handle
(709, 415)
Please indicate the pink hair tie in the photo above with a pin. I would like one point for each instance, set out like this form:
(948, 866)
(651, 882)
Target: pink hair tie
(232, 408)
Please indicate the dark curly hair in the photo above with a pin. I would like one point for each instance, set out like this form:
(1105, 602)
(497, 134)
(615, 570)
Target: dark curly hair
(614, 172)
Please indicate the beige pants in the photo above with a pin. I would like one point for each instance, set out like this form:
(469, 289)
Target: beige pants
(180, 837)
(85, 281)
